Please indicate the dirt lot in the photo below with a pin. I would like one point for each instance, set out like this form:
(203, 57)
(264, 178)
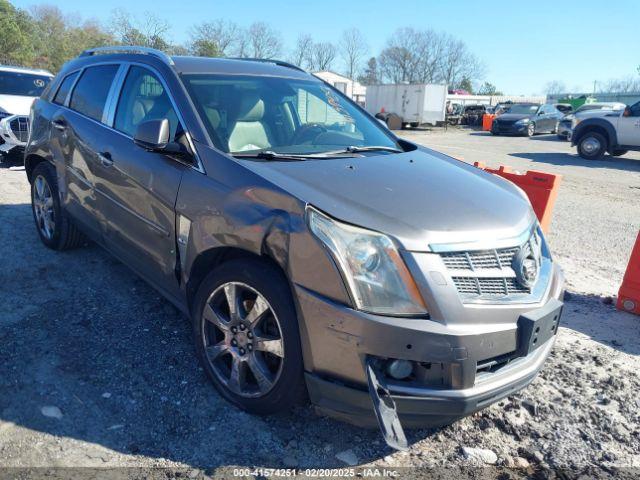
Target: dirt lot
(97, 370)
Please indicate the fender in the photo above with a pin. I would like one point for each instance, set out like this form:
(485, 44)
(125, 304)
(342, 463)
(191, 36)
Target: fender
(597, 122)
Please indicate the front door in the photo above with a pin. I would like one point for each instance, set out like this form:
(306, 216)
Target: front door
(137, 188)
(629, 127)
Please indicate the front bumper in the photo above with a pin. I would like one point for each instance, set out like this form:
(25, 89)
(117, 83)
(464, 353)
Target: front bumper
(13, 138)
(564, 129)
(338, 340)
(509, 129)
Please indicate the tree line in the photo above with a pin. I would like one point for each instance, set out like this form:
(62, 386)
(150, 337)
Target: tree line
(46, 37)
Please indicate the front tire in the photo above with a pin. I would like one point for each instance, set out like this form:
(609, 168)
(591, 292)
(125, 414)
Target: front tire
(55, 228)
(531, 129)
(247, 339)
(592, 146)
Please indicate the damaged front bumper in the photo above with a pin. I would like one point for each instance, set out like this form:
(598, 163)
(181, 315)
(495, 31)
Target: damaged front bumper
(475, 364)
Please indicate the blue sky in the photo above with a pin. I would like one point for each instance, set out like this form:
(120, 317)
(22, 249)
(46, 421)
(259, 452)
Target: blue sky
(524, 45)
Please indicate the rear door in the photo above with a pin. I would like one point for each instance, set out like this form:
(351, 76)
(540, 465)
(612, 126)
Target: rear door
(138, 188)
(76, 140)
(629, 127)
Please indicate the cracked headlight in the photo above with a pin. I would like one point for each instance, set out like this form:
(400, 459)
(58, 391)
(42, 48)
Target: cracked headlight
(376, 275)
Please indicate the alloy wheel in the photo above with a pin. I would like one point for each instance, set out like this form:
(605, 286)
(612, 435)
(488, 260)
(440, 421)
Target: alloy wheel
(43, 207)
(242, 339)
(591, 145)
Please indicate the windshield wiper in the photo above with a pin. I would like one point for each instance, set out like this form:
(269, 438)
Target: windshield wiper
(372, 148)
(269, 155)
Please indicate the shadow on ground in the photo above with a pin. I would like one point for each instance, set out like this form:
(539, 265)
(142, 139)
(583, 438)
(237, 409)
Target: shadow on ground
(82, 333)
(565, 159)
(597, 318)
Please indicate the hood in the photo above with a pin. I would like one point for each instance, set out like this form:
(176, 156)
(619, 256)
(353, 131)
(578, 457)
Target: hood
(513, 117)
(599, 113)
(419, 198)
(16, 104)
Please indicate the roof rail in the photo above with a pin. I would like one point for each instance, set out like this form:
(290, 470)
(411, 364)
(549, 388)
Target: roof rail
(280, 63)
(128, 49)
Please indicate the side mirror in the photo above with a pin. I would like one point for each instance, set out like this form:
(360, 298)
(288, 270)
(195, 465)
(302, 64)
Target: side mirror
(153, 135)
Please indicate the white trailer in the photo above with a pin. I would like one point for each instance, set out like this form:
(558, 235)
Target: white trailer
(414, 104)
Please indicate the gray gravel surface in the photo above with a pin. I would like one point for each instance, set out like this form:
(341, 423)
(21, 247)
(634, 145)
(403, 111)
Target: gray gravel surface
(97, 370)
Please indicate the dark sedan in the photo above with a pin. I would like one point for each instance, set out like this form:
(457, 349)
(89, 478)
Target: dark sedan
(529, 119)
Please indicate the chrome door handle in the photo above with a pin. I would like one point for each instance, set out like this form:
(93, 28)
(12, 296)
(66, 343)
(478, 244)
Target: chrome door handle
(105, 159)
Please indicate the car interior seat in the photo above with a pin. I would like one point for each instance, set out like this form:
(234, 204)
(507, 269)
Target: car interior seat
(249, 131)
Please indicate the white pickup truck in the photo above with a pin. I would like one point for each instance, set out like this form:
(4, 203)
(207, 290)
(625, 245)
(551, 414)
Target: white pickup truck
(615, 132)
(19, 87)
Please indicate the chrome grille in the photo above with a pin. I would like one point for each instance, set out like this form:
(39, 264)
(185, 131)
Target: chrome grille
(20, 128)
(486, 275)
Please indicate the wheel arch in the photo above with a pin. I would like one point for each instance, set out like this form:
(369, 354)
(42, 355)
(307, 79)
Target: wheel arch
(596, 125)
(31, 161)
(210, 259)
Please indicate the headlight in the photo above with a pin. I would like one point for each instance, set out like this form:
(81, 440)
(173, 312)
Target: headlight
(524, 121)
(569, 117)
(376, 275)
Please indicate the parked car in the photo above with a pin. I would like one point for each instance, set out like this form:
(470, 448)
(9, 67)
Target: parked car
(18, 88)
(314, 251)
(472, 115)
(529, 119)
(588, 109)
(614, 131)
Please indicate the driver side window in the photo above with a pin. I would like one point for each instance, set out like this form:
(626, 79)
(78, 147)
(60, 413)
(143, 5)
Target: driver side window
(143, 98)
(635, 109)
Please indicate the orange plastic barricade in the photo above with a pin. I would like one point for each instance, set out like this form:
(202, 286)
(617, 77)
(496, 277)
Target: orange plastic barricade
(629, 294)
(541, 188)
(487, 121)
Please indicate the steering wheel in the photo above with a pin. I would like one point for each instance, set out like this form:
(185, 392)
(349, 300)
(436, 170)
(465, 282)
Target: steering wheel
(308, 132)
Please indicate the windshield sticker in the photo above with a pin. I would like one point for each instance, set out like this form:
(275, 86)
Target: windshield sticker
(38, 82)
(334, 102)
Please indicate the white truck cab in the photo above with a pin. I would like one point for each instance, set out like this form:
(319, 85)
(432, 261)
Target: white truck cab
(19, 87)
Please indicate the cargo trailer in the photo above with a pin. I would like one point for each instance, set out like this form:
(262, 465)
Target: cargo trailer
(401, 105)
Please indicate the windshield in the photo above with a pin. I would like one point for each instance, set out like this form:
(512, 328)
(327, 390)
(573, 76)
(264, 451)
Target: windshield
(245, 114)
(522, 109)
(25, 84)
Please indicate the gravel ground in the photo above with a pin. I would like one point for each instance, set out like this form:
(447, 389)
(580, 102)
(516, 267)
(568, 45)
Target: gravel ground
(97, 370)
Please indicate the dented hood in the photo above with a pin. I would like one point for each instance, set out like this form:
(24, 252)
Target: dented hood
(419, 198)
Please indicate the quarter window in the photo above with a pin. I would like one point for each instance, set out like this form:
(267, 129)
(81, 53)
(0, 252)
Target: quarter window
(143, 98)
(65, 87)
(90, 94)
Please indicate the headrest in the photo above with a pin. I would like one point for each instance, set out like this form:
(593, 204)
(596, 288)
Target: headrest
(251, 108)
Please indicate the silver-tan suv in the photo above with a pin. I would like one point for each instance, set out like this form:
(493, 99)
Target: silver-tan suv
(317, 254)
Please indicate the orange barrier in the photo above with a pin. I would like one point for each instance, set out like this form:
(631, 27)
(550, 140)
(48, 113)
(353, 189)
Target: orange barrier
(487, 121)
(629, 294)
(541, 188)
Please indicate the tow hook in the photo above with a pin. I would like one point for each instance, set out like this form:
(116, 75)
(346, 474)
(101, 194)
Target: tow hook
(385, 408)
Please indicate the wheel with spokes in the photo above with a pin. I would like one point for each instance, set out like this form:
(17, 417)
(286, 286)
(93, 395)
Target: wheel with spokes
(54, 227)
(247, 336)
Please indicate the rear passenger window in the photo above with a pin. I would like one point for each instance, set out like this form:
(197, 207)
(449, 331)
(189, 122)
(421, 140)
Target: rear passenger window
(65, 86)
(143, 98)
(90, 95)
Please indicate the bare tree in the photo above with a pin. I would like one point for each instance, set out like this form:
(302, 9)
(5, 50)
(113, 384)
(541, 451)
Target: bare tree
(353, 48)
(629, 84)
(150, 32)
(259, 41)
(457, 62)
(215, 39)
(323, 54)
(300, 56)
(555, 87)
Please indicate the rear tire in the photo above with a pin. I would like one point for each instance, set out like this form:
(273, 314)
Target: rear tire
(231, 347)
(592, 146)
(55, 228)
